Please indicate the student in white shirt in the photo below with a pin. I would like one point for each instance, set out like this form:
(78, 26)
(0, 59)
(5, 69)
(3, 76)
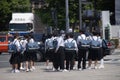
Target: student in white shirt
(94, 53)
(15, 57)
(59, 56)
(49, 50)
(82, 53)
(32, 55)
(70, 51)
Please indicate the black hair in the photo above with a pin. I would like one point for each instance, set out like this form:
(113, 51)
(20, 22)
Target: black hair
(69, 35)
(82, 31)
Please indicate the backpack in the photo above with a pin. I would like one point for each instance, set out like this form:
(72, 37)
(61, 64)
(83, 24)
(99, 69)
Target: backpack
(21, 49)
(49, 44)
(83, 43)
(70, 45)
(12, 48)
(32, 47)
(95, 44)
(55, 43)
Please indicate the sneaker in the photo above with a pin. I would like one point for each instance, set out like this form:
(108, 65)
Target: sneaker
(47, 67)
(95, 67)
(101, 66)
(74, 68)
(33, 67)
(65, 70)
(27, 70)
(21, 68)
(89, 68)
(80, 69)
(53, 69)
(17, 71)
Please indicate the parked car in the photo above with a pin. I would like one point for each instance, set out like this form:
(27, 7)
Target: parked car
(5, 39)
(110, 47)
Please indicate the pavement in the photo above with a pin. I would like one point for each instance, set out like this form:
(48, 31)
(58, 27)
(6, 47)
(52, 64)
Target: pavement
(110, 72)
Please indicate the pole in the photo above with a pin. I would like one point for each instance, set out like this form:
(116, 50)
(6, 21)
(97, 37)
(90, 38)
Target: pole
(67, 15)
(80, 14)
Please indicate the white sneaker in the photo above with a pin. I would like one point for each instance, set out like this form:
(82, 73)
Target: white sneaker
(65, 70)
(53, 69)
(17, 71)
(95, 67)
(47, 67)
(89, 68)
(27, 70)
(21, 68)
(33, 67)
(80, 69)
(101, 66)
(74, 68)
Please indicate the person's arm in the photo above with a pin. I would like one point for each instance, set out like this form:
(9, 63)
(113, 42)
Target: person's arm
(45, 46)
(58, 45)
(76, 47)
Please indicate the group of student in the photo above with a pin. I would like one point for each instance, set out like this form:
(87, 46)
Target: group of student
(22, 60)
(64, 50)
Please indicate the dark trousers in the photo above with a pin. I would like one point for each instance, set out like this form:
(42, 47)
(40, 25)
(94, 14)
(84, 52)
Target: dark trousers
(82, 58)
(59, 58)
(70, 56)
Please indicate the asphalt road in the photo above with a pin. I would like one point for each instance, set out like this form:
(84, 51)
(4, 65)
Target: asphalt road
(110, 72)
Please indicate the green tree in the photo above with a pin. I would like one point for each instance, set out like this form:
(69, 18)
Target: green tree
(4, 14)
(20, 5)
(9, 6)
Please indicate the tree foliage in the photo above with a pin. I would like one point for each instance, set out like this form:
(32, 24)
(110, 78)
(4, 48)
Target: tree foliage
(9, 6)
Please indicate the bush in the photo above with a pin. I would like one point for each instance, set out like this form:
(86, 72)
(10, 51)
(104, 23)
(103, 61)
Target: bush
(116, 41)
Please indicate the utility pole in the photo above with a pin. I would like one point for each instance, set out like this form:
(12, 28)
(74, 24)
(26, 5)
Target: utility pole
(67, 15)
(80, 14)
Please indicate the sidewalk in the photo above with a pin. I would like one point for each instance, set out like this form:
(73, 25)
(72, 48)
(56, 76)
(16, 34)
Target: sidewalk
(114, 57)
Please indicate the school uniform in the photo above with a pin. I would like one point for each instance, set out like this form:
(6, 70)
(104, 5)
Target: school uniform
(70, 53)
(82, 53)
(59, 55)
(49, 51)
(94, 54)
(32, 55)
(24, 53)
(15, 57)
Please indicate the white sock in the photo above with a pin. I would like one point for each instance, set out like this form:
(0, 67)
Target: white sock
(102, 62)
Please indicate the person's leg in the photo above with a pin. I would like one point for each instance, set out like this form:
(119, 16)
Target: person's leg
(13, 68)
(79, 60)
(72, 57)
(27, 66)
(84, 60)
(67, 61)
(16, 68)
(47, 63)
(62, 58)
(31, 64)
(95, 64)
(47, 59)
(89, 63)
(101, 63)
